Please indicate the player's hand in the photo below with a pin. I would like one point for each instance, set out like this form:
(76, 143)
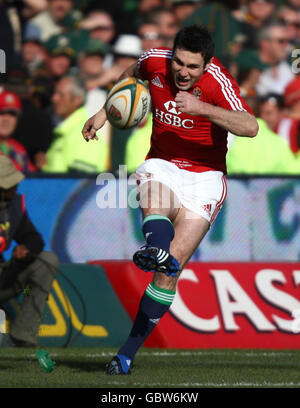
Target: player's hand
(20, 252)
(89, 129)
(188, 103)
(93, 124)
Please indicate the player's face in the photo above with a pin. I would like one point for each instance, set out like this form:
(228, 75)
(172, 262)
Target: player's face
(187, 68)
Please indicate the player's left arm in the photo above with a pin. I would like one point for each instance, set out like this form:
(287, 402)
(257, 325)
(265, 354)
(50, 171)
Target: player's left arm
(238, 122)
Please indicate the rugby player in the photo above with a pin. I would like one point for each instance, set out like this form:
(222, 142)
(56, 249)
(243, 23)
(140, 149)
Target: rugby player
(182, 186)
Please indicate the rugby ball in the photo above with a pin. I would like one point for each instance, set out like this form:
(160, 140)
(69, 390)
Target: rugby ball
(128, 103)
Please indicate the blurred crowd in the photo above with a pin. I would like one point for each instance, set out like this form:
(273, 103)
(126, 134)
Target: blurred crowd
(63, 56)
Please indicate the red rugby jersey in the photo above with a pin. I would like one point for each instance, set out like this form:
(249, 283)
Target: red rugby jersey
(191, 142)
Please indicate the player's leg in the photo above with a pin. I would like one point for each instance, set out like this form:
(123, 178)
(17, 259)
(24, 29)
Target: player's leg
(160, 293)
(160, 206)
(189, 228)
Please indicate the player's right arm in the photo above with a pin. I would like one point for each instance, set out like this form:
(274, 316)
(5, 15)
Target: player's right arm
(131, 71)
(93, 124)
(98, 120)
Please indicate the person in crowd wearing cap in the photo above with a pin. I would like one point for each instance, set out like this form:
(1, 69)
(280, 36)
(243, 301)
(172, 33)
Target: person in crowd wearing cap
(98, 25)
(181, 184)
(91, 62)
(65, 154)
(30, 269)
(10, 110)
(59, 62)
(34, 127)
(55, 19)
(90, 69)
(270, 58)
(126, 51)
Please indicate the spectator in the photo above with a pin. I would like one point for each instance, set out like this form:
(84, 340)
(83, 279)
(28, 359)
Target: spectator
(271, 110)
(11, 23)
(166, 22)
(59, 62)
(295, 4)
(54, 19)
(40, 90)
(247, 79)
(225, 29)
(138, 144)
(34, 127)
(90, 64)
(270, 58)
(150, 36)
(290, 18)
(126, 50)
(124, 13)
(145, 6)
(68, 151)
(258, 14)
(10, 110)
(34, 55)
(250, 157)
(289, 125)
(100, 24)
(184, 8)
(23, 271)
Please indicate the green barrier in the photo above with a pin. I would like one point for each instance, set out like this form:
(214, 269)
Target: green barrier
(82, 310)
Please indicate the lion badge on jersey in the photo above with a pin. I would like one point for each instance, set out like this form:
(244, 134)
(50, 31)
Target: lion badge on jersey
(197, 92)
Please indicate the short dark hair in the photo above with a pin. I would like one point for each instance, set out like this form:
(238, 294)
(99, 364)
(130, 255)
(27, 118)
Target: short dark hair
(195, 38)
(274, 98)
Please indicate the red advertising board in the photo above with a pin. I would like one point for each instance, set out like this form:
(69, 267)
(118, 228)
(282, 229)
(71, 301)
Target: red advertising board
(220, 305)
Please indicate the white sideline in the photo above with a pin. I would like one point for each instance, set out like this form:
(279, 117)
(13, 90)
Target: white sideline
(210, 384)
(185, 353)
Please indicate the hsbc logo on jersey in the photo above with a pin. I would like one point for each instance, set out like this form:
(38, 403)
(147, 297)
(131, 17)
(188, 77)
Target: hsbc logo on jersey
(172, 107)
(171, 116)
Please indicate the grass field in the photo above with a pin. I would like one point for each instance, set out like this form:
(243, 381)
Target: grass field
(154, 368)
